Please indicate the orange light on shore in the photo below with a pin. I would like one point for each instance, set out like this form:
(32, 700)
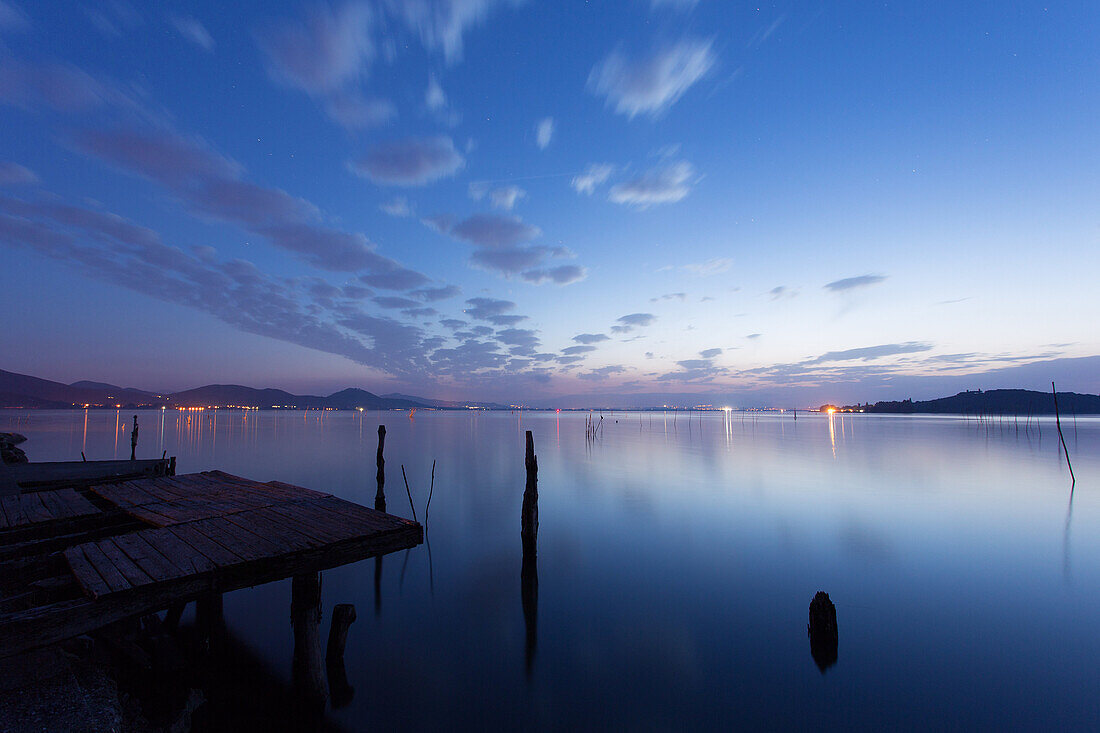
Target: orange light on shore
(830, 410)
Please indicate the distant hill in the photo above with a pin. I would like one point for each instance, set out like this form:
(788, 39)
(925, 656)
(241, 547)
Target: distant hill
(21, 390)
(993, 402)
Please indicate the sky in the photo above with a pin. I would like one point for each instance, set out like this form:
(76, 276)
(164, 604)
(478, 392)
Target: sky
(539, 201)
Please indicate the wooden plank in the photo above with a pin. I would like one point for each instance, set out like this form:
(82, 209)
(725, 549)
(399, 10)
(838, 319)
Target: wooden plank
(212, 550)
(181, 554)
(3, 515)
(31, 505)
(232, 537)
(129, 569)
(311, 519)
(12, 510)
(155, 565)
(372, 518)
(283, 542)
(75, 504)
(107, 570)
(85, 574)
(124, 494)
(315, 536)
(57, 508)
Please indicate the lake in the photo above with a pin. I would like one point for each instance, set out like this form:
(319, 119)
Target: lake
(677, 557)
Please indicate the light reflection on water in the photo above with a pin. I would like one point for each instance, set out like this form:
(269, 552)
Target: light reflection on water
(677, 555)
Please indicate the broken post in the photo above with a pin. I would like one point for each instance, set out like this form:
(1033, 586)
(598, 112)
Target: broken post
(380, 495)
(1058, 423)
(343, 615)
(824, 639)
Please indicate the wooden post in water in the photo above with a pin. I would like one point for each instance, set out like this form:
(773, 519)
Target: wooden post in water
(343, 615)
(380, 495)
(307, 671)
(529, 572)
(133, 440)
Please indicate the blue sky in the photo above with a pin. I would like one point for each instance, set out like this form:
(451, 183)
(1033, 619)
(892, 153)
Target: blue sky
(516, 200)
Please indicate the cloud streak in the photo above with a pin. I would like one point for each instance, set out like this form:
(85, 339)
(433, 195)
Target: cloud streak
(652, 83)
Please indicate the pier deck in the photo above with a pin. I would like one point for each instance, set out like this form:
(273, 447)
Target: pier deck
(79, 559)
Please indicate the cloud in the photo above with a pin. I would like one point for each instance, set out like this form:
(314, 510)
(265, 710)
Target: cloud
(628, 323)
(594, 175)
(397, 206)
(663, 185)
(195, 32)
(574, 350)
(710, 353)
(490, 230)
(591, 338)
(651, 84)
(562, 275)
(601, 373)
(54, 86)
(507, 260)
(868, 353)
(432, 295)
(325, 51)
(410, 162)
(850, 283)
(506, 197)
(782, 291)
(544, 131)
(434, 98)
(442, 23)
(13, 174)
(485, 308)
(754, 336)
(669, 296)
(714, 266)
(354, 112)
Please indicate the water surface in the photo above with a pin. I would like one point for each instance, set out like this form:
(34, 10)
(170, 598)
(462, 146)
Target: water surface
(677, 557)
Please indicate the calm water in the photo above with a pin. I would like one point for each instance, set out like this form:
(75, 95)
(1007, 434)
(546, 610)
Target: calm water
(676, 561)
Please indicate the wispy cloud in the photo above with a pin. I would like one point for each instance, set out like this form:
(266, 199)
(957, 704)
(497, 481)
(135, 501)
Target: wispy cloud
(591, 338)
(398, 206)
(544, 131)
(715, 266)
(322, 52)
(195, 32)
(627, 323)
(562, 275)
(652, 83)
(594, 175)
(868, 353)
(851, 283)
(13, 174)
(410, 162)
(663, 185)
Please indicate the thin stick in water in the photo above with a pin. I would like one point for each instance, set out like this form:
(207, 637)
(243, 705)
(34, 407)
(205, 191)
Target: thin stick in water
(430, 490)
(408, 492)
(1058, 423)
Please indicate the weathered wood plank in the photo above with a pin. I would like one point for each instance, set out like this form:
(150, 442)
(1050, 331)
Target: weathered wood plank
(314, 536)
(57, 508)
(282, 542)
(213, 551)
(85, 573)
(239, 540)
(147, 558)
(127, 567)
(12, 510)
(31, 505)
(114, 579)
(181, 554)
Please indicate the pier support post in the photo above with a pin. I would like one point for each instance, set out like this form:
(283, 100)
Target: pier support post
(305, 618)
(343, 615)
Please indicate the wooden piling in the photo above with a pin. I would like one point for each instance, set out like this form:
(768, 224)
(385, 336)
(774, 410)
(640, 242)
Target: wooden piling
(341, 693)
(529, 575)
(305, 617)
(380, 494)
(133, 440)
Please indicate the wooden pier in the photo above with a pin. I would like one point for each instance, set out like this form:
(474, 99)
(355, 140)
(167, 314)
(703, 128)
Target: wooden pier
(75, 559)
